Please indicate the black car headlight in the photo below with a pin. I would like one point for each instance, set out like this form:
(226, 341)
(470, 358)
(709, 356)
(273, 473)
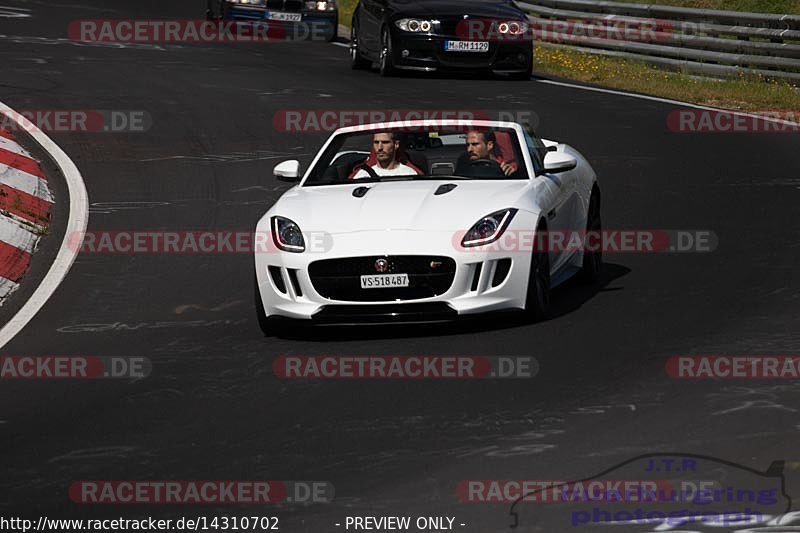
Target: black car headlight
(416, 25)
(287, 235)
(328, 5)
(489, 228)
(512, 27)
(257, 3)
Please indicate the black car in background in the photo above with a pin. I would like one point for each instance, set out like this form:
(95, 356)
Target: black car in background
(431, 35)
(303, 19)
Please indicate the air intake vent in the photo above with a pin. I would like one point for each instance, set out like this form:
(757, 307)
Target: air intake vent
(476, 277)
(295, 282)
(501, 271)
(277, 278)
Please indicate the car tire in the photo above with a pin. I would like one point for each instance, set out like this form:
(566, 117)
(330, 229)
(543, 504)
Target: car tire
(592, 261)
(214, 10)
(386, 62)
(266, 323)
(537, 298)
(357, 61)
(526, 75)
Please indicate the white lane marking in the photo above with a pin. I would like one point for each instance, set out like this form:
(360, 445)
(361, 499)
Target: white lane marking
(7, 287)
(14, 147)
(14, 12)
(343, 45)
(17, 236)
(668, 101)
(25, 182)
(76, 223)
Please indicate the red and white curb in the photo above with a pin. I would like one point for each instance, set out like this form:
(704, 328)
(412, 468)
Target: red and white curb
(25, 202)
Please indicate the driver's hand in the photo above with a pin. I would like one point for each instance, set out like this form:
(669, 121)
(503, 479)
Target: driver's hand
(508, 169)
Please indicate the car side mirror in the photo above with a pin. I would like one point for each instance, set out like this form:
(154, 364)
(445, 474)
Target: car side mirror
(557, 162)
(288, 170)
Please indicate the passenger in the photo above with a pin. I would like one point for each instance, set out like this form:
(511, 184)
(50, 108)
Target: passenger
(385, 148)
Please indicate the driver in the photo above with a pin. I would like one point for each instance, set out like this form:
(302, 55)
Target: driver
(385, 147)
(481, 144)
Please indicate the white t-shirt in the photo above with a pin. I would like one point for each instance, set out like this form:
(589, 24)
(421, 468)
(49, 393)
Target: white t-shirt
(399, 170)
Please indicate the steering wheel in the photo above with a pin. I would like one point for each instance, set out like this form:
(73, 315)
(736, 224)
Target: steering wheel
(485, 168)
(486, 163)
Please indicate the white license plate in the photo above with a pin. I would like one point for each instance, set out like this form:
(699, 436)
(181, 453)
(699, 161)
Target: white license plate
(382, 281)
(466, 46)
(290, 17)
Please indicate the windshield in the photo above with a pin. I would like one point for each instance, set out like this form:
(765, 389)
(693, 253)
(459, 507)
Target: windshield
(425, 153)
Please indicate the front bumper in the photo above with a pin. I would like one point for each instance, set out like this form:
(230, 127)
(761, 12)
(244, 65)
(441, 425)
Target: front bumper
(482, 281)
(427, 53)
(311, 24)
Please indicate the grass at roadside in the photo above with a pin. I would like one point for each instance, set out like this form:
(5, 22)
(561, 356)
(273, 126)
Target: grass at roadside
(741, 94)
(756, 6)
(346, 8)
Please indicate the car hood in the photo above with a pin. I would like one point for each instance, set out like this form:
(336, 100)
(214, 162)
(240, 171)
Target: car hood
(443, 8)
(397, 205)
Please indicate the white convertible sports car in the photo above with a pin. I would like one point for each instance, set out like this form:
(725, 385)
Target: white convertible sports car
(425, 220)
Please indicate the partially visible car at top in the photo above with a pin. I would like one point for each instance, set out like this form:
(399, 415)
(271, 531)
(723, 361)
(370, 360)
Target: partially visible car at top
(303, 18)
(431, 35)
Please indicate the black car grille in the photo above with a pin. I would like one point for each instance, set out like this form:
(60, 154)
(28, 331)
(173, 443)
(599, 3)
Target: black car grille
(285, 5)
(453, 27)
(340, 279)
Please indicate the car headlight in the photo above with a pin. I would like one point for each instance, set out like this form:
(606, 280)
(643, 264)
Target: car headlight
(328, 5)
(512, 27)
(415, 25)
(287, 235)
(248, 2)
(488, 229)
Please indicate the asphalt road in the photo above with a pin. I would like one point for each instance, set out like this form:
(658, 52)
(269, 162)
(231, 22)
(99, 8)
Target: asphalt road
(212, 408)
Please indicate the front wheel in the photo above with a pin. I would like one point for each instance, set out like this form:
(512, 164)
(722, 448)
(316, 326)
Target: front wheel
(592, 258)
(214, 10)
(524, 75)
(387, 59)
(357, 61)
(537, 299)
